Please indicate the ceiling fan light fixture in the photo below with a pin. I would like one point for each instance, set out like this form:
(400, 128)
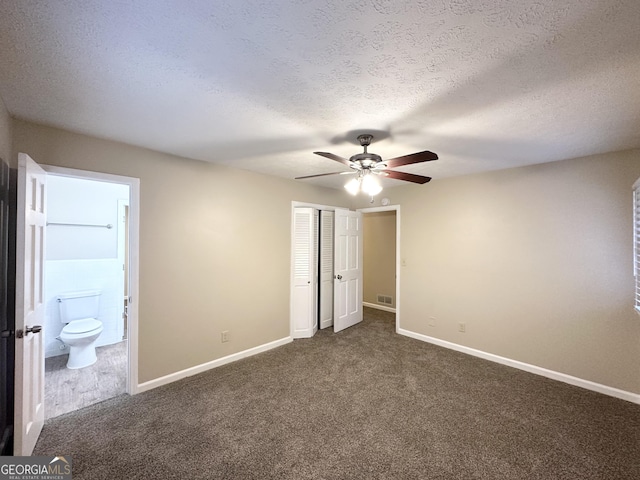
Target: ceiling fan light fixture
(371, 185)
(365, 182)
(353, 186)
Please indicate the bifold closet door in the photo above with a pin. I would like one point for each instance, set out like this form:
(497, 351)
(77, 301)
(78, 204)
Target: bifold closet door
(326, 268)
(304, 295)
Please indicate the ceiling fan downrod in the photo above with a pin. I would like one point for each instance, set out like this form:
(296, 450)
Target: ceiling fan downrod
(365, 159)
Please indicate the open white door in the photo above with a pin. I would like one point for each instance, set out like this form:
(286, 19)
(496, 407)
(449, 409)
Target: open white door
(326, 268)
(348, 269)
(30, 244)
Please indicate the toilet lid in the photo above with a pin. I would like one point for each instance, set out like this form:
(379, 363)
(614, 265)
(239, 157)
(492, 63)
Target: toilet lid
(82, 326)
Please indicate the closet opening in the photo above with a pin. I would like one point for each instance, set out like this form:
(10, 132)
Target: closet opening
(318, 297)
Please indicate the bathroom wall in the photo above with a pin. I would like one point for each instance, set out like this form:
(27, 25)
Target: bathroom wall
(83, 257)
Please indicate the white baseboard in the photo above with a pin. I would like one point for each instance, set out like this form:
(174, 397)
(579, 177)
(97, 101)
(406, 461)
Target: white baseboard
(379, 307)
(562, 377)
(158, 382)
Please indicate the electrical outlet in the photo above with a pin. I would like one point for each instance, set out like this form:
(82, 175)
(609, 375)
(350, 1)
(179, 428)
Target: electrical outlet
(462, 327)
(224, 336)
(432, 321)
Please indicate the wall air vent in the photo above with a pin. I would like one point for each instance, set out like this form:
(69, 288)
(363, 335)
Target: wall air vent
(385, 299)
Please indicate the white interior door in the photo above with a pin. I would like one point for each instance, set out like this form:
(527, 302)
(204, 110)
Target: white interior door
(326, 268)
(30, 244)
(304, 294)
(348, 269)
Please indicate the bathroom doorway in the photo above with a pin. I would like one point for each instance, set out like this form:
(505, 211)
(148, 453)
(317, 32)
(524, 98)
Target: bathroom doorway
(88, 247)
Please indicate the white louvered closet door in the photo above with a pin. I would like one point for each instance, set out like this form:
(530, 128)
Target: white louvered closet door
(304, 295)
(326, 268)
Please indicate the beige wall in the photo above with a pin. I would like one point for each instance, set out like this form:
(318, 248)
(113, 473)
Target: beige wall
(537, 261)
(5, 134)
(379, 246)
(215, 246)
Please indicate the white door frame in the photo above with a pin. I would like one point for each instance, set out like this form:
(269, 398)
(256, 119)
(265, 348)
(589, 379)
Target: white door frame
(134, 249)
(398, 262)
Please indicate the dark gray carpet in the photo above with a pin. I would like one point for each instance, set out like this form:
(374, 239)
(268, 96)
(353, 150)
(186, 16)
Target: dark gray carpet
(361, 404)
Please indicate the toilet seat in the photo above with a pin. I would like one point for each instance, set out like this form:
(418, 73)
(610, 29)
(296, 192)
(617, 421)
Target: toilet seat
(82, 327)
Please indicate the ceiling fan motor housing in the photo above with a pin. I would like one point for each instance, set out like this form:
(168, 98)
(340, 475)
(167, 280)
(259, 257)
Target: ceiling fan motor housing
(366, 160)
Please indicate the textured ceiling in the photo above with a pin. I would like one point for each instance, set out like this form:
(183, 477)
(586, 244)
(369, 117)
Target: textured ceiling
(260, 84)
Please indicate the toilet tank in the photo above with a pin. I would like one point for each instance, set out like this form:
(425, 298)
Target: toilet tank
(79, 305)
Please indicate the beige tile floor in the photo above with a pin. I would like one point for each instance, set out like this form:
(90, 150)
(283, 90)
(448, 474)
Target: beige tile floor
(67, 390)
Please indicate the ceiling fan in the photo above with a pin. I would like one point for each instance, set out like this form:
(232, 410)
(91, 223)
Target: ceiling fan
(366, 165)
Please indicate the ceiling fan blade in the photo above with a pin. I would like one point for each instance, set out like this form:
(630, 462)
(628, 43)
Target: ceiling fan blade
(407, 177)
(331, 156)
(418, 157)
(325, 174)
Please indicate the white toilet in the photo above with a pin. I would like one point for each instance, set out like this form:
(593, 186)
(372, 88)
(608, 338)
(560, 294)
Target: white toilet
(79, 311)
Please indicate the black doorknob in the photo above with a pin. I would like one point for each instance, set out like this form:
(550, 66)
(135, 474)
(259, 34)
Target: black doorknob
(28, 330)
